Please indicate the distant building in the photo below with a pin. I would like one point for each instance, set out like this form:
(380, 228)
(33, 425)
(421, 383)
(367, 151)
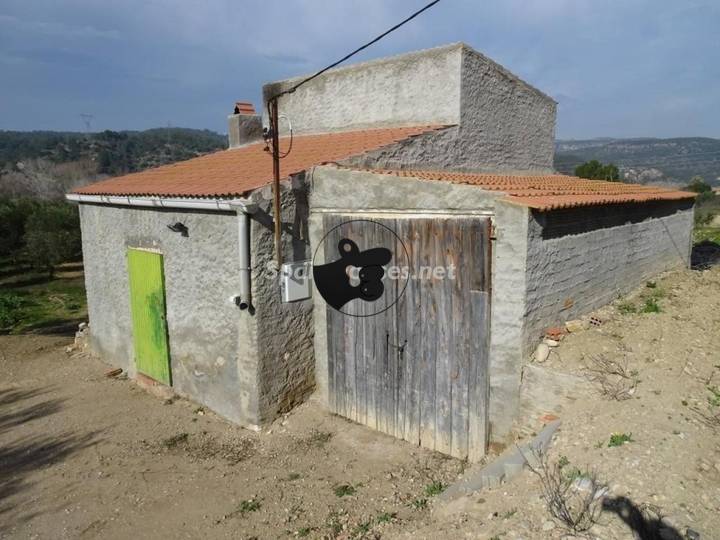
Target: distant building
(442, 158)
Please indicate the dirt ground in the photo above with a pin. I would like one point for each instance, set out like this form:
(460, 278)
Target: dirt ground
(86, 456)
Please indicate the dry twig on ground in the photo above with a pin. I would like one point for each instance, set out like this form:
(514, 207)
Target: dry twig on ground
(710, 418)
(572, 496)
(613, 378)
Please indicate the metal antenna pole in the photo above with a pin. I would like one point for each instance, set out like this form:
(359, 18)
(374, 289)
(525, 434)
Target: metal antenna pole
(274, 126)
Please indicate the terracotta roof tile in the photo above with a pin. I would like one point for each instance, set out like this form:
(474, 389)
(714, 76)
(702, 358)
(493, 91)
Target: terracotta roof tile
(552, 191)
(235, 172)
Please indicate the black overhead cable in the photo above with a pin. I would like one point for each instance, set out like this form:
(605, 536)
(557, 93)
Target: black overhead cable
(273, 133)
(348, 56)
(334, 64)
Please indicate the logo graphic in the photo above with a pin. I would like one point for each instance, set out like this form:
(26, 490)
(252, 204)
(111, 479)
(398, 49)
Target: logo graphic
(334, 280)
(359, 252)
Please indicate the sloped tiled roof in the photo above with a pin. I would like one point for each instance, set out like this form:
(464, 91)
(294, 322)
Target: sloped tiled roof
(552, 191)
(235, 172)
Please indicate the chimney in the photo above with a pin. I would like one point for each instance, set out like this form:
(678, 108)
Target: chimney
(244, 125)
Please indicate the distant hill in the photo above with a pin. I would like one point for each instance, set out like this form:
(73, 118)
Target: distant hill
(47, 164)
(646, 161)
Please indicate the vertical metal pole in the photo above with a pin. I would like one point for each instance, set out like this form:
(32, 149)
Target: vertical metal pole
(276, 179)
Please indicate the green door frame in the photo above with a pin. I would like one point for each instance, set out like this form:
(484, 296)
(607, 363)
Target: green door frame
(147, 306)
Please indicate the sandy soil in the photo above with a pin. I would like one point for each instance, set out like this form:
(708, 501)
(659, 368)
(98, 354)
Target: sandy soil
(86, 456)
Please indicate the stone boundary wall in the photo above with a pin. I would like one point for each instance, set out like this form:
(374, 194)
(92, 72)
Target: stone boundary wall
(580, 259)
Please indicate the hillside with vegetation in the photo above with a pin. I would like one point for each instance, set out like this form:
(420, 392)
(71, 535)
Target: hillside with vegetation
(47, 164)
(646, 161)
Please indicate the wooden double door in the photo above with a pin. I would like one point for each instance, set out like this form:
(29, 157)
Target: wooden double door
(414, 363)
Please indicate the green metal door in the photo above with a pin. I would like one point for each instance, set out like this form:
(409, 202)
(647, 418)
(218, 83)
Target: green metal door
(147, 304)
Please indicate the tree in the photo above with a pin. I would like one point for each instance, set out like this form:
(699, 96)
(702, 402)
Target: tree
(698, 185)
(13, 217)
(706, 196)
(594, 170)
(52, 235)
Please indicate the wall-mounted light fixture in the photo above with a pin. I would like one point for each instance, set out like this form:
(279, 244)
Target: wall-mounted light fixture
(179, 228)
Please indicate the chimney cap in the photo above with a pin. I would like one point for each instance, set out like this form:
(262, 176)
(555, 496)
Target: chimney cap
(244, 107)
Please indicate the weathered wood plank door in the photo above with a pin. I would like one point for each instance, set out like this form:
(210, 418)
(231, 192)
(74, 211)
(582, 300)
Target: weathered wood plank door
(413, 364)
(147, 304)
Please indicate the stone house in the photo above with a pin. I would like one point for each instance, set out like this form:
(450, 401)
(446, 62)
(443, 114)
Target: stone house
(443, 158)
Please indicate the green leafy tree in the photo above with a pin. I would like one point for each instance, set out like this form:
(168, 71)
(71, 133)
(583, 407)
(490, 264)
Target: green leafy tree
(13, 216)
(698, 185)
(706, 199)
(594, 170)
(52, 235)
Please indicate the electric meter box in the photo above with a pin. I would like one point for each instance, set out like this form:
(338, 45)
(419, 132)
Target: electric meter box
(296, 281)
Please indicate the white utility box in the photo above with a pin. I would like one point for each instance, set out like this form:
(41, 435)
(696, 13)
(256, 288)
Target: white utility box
(296, 281)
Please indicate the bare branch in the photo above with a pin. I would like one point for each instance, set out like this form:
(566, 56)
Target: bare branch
(572, 496)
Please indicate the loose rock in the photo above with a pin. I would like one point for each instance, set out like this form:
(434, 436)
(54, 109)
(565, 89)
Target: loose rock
(542, 352)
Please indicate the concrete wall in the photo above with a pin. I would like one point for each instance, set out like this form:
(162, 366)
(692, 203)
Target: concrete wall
(285, 361)
(507, 317)
(538, 261)
(206, 330)
(411, 89)
(556, 266)
(246, 366)
(583, 258)
(503, 123)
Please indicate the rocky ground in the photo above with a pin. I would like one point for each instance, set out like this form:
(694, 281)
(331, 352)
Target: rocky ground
(665, 480)
(84, 455)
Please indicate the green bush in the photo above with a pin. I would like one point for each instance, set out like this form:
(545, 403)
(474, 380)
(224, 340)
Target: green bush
(618, 439)
(699, 185)
(10, 306)
(52, 235)
(651, 306)
(594, 170)
(13, 218)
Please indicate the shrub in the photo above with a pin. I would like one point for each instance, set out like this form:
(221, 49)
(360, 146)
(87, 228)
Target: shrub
(651, 306)
(436, 488)
(10, 306)
(52, 235)
(714, 399)
(595, 170)
(13, 217)
(698, 185)
(344, 490)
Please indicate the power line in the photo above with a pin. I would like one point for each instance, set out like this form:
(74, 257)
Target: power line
(334, 64)
(273, 116)
(359, 49)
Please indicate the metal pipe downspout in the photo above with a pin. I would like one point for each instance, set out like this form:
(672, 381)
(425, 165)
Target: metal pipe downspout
(244, 301)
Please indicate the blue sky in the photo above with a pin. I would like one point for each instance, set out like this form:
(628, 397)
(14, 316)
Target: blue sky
(618, 68)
